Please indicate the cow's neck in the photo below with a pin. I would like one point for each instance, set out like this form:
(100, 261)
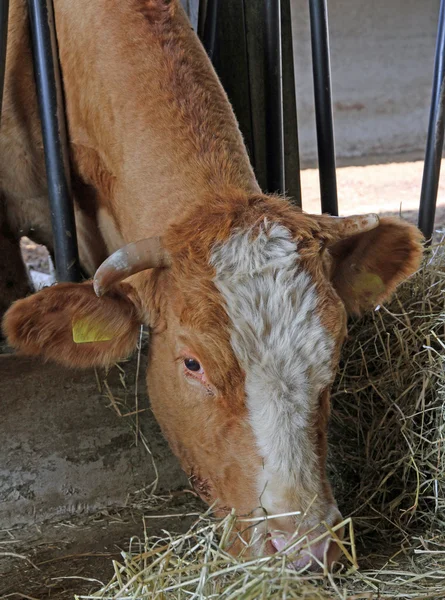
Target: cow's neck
(150, 127)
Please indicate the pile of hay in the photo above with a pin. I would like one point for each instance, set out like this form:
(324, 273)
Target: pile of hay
(388, 470)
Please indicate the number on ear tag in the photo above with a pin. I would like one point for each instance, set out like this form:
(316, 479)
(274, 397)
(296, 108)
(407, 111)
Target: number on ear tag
(85, 331)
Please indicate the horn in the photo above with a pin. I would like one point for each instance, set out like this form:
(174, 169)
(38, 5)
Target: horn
(131, 259)
(340, 228)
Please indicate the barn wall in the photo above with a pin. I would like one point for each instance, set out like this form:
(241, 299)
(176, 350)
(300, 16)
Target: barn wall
(382, 56)
(382, 59)
(191, 7)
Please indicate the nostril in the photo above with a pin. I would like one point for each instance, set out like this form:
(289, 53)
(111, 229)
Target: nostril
(279, 543)
(304, 551)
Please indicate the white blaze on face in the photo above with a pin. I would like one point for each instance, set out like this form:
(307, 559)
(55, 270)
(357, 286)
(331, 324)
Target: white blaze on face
(285, 351)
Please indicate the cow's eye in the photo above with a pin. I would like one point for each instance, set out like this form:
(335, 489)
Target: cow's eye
(192, 365)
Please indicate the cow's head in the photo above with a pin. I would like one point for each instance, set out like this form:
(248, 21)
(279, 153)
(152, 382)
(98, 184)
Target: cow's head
(247, 303)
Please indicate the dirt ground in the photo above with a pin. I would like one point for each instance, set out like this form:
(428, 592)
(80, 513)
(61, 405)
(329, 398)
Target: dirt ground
(74, 491)
(60, 558)
(381, 188)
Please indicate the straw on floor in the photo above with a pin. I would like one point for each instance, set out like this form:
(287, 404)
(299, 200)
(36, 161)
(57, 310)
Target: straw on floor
(387, 466)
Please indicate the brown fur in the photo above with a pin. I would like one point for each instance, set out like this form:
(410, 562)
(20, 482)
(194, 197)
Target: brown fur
(156, 11)
(150, 130)
(42, 325)
(392, 251)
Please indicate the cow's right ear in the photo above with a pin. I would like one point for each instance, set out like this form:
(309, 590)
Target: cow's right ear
(69, 324)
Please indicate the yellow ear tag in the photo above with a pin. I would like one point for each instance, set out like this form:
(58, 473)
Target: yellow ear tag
(85, 331)
(369, 285)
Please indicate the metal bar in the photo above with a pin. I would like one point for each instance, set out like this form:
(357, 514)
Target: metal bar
(247, 129)
(202, 10)
(291, 149)
(251, 31)
(273, 83)
(4, 11)
(49, 93)
(323, 105)
(231, 62)
(208, 36)
(434, 144)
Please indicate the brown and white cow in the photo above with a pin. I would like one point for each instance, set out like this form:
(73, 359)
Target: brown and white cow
(246, 297)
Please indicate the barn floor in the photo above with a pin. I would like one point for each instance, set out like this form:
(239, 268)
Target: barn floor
(74, 485)
(70, 489)
(60, 558)
(388, 187)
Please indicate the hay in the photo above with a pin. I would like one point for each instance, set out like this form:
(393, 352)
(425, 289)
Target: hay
(388, 470)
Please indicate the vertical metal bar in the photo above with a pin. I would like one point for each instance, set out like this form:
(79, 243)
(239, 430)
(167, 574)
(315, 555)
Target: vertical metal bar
(273, 82)
(323, 105)
(247, 126)
(434, 144)
(202, 10)
(49, 93)
(231, 62)
(4, 11)
(291, 149)
(208, 35)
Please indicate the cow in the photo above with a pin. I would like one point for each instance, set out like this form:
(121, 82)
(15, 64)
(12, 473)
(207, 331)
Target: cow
(245, 296)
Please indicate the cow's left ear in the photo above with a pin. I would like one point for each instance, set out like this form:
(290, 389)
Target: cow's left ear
(368, 267)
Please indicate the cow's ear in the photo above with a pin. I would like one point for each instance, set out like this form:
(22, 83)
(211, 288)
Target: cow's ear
(69, 324)
(368, 267)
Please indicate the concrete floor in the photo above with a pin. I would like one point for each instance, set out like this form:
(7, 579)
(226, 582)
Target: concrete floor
(73, 484)
(60, 558)
(65, 450)
(381, 188)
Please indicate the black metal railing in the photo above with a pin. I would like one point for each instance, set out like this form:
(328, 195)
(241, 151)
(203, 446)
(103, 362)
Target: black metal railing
(323, 105)
(261, 86)
(4, 11)
(434, 144)
(52, 117)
